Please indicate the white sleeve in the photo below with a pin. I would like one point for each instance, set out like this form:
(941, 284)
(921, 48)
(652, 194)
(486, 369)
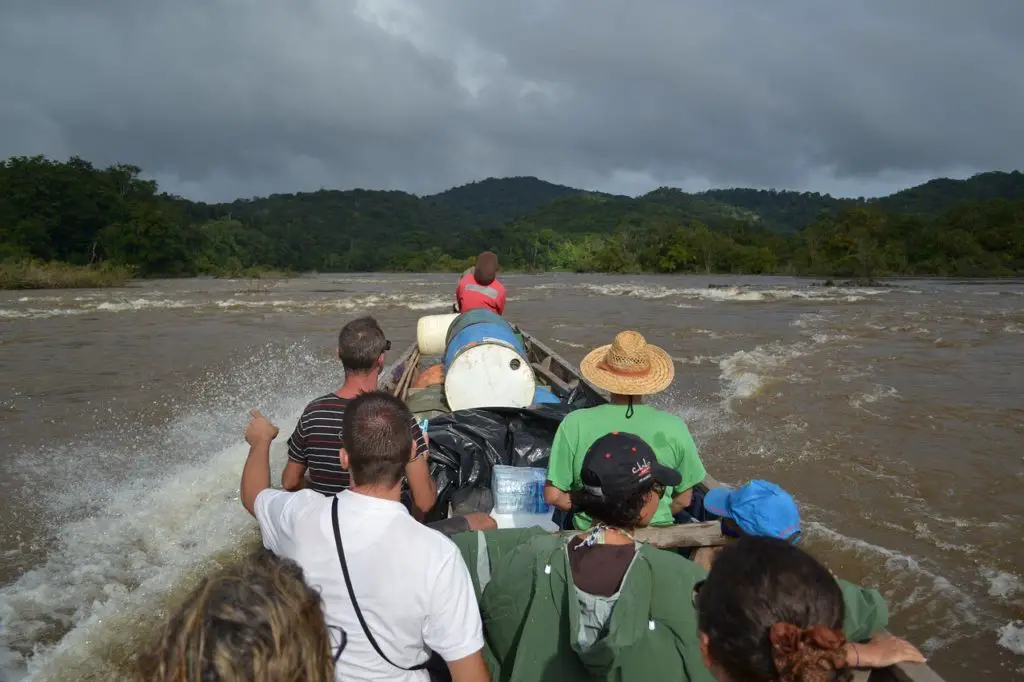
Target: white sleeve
(274, 511)
(453, 629)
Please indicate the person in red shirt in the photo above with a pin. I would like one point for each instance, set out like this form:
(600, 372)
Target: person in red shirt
(481, 288)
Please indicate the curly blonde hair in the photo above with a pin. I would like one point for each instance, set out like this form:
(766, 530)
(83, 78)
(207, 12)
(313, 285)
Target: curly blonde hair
(256, 621)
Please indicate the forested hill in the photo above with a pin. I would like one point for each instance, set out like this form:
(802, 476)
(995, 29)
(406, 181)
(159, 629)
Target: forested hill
(938, 196)
(76, 213)
(495, 201)
(788, 211)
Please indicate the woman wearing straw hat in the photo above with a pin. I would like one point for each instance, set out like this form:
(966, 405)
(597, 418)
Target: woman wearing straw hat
(628, 369)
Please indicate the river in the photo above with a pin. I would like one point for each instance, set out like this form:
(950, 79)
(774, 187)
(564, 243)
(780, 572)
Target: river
(895, 417)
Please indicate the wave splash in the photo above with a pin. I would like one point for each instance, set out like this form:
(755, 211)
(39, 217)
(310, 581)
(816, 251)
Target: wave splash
(109, 578)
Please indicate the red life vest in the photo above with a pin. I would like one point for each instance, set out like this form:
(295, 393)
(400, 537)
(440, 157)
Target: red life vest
(470, 295)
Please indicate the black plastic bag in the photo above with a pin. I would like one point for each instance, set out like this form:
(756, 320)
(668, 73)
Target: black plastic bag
(465, 445)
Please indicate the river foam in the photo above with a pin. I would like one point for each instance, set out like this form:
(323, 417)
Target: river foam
(232, 303)
(110, 575)
(736, 294)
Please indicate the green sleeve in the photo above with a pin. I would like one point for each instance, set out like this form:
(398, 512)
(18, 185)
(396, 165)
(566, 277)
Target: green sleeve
(561, 472)
(469, 545)
(690, 466)
(866, 612)
(501, 542)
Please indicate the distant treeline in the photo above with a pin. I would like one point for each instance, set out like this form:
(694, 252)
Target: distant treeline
(72, 212)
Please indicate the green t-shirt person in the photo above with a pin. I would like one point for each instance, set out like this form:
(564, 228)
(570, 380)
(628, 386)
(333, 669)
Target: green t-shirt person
(665, 433)
(627, 369)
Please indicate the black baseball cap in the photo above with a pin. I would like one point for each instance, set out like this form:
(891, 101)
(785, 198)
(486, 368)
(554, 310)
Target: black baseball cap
(620, 464)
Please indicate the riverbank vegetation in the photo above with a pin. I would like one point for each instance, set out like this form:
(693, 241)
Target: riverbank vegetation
(29, 274)
(111, 220)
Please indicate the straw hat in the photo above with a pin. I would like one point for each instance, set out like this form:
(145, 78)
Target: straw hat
(629, 366)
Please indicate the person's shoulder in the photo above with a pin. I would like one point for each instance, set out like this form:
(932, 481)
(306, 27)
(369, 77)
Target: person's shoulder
(306, 498)
(575, 421)
(665, 419)
(597, 417)
(587, 414)
(290, 504)
(409, 529)
(328, 400)
(433, 547)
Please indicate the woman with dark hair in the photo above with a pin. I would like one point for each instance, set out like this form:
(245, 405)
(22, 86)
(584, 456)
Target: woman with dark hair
(769, 612)
(256, 621)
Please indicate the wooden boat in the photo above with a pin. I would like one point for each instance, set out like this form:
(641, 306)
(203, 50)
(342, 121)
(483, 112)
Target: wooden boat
(556, 374)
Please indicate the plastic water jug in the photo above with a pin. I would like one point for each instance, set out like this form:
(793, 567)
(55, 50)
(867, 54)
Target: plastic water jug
(519, 489)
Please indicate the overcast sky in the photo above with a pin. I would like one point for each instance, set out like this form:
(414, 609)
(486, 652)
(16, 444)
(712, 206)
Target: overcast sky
(225, 98)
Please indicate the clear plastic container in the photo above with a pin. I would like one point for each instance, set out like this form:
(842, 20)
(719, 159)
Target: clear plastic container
(519, 489)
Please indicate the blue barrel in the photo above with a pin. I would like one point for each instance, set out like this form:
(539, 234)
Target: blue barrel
(480, 332)
(469, 318)
(544, 395)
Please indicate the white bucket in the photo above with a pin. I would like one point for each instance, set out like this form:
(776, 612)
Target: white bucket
(431, 331)
(490, 373)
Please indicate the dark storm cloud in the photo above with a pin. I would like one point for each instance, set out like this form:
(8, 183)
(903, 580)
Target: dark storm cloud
(224, 98)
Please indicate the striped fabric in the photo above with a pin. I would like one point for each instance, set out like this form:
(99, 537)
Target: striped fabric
(317, 440)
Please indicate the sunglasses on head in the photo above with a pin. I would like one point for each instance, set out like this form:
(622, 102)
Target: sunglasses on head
(387, 345)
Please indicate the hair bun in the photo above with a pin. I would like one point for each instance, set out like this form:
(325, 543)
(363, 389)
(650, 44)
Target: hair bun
(806, 654)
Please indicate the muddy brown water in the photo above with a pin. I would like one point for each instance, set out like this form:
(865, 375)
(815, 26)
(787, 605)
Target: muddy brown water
(895, 416)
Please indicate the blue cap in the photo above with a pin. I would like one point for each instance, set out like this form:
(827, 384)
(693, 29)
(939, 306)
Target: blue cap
(758, 508)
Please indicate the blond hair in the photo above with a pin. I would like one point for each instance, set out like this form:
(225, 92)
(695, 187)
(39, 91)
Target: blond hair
(256, 621)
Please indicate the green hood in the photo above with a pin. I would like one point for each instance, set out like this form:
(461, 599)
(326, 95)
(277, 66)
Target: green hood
(532, 616)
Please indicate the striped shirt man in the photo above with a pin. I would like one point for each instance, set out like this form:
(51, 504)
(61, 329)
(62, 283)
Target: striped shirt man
(317, 440)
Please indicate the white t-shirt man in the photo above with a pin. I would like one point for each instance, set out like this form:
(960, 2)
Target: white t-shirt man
(411, 582)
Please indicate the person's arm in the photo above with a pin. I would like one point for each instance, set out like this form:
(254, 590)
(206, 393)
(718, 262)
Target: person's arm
(473, 521)
(556, 497)
(561, 472)
(458, 296)
(690, 468)
(501, 298)
(294, 475)
(681, 501)
(259, 434)
(417, 473)
(422, 487)
(881, 652)
(470, 669)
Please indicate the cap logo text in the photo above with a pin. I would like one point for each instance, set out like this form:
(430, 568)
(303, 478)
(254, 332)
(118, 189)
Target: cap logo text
(642, 467)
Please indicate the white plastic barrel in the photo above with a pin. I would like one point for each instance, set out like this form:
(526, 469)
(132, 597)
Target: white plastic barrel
(489, 373)
(431, 331)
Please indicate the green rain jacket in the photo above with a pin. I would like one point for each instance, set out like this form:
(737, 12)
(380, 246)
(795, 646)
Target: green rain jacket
(531, 613)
